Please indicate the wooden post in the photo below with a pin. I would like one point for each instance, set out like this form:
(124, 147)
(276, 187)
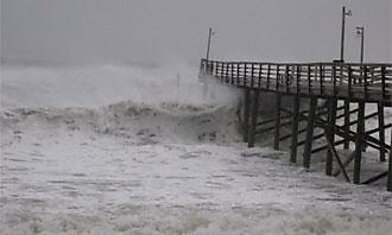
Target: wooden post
(246, 114)
(238, 74)
(294, 130)
(359, 142)
(381, 130)
(268, 76)
(389, 183)
(309, 132)
(255, 110)
(277, 120)
(346, 144)
(345, 164)
(332, 149)
(330, 131)
(347, 101)
(252, 69)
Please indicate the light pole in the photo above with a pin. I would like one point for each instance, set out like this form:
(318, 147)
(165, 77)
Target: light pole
(345, 13)
(346, 144)
(360, 30)
(205, 85)
(361, 33)
(210, 33)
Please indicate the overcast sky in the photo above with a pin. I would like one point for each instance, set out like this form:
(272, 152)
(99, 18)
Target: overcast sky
(111, 31)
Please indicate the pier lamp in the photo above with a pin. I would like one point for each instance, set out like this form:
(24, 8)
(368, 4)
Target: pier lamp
(360, 31)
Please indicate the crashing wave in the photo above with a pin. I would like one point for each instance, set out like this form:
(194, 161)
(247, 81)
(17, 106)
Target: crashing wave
(166, 122)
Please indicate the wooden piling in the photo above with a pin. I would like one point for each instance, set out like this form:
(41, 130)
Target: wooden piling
(294, 130)
(246, 115)
(330, 133)
(389, 183)
(255, 110)
(346, 144)
(359, 142)
(367, 83)
(309, 132)
(381, 130)
(277, 120)
(332, 149)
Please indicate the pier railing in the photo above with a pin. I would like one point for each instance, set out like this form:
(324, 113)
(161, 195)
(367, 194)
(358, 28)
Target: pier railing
(368, 82)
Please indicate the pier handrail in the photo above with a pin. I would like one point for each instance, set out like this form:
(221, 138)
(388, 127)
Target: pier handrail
(370, 82)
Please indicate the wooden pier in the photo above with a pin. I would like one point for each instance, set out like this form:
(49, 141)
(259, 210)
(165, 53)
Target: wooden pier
(330, 90)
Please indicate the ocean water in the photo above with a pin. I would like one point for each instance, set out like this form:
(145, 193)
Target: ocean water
(135, 150)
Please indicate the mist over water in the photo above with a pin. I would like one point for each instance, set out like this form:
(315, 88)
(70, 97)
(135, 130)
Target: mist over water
(94, 86)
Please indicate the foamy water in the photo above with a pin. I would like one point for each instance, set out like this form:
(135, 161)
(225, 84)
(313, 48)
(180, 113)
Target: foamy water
(128, 150)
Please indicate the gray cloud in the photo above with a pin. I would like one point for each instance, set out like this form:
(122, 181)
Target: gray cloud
(113, 31)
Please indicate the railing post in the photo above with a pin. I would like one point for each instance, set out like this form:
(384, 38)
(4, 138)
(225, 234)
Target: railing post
(383, 82)
(221, 71)
(287, 80)
(299, 71)
(260, 74)
(321, 79)
(232, 73)
(365, 83)
(238, 73)
(309, 80)
(277, 78)
(228, 72)
(252, 75)
(268, 76)
(245, 82)
(334, 79)
(350, 82)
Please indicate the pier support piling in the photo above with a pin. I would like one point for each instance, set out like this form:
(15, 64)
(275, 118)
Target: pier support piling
(309, 132)
(277, 120)
(255, 110)
(245, 127)
(389, 183)
(294, 130)
(330, 133)
(359, 142)
(346, 144)
(381, 130)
